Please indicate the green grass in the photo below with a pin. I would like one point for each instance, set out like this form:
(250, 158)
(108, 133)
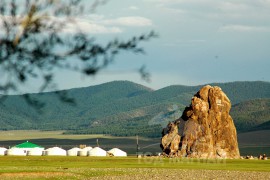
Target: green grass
(83, 167)
(37, 134)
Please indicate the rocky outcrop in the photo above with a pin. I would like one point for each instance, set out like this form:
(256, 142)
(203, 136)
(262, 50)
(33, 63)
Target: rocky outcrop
(206, 127)
(170, 139)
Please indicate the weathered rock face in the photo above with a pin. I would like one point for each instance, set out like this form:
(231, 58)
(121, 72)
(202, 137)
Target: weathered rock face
(207, 129)
(170, 139)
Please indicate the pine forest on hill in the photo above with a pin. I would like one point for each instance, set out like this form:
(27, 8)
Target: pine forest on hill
(124, 108)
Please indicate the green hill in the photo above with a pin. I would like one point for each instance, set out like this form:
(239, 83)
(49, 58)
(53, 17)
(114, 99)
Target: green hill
(124, 108)
(263, 126)
(243, 91)
(252, 114)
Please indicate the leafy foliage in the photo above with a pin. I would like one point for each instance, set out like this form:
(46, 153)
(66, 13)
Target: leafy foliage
(39, 37)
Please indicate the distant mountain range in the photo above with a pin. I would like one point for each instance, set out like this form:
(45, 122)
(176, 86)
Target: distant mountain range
(125, 108)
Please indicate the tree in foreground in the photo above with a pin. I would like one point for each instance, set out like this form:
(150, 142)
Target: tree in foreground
(34, 43)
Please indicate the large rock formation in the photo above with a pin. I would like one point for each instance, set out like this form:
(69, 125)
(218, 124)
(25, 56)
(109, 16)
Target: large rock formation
(206, 127)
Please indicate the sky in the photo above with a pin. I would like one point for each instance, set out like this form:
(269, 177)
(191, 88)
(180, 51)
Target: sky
(200, 41)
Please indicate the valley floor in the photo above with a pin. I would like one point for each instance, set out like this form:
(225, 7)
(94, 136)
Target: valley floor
(150, 173)
(145, 173)
(250, 143)
(130, 168)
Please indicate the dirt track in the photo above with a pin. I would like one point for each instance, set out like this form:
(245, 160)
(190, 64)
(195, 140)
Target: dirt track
(143, 173)
(148, 173)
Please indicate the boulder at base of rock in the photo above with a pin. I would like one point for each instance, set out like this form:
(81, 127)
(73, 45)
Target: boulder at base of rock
(170, 139)
(206, 127)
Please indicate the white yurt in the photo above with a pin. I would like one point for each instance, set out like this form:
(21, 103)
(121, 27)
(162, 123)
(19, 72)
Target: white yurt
(55, 151)
(3, 151)
(28, 146)
(73, 152)
(117, 152)
(16, 152)
(97, 152)
(35, 152)
(85, 151)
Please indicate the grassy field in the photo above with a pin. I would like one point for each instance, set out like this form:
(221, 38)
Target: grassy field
(87, 167)
(45, 167)
(36, 134)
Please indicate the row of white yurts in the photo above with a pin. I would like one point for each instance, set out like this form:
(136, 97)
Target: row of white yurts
(87, 151)
(32, 149)
(97, 151)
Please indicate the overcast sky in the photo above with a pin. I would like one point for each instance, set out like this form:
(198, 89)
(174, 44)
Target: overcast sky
(200, 41)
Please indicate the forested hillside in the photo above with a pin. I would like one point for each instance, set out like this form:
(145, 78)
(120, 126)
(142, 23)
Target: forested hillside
(124, 108)
(250, 115)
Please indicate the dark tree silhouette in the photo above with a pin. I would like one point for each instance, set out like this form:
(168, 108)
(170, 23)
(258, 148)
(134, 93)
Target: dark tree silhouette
(34, 45)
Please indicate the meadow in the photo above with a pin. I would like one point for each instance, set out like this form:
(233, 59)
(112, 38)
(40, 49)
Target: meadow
(131, 167)
(46, 167)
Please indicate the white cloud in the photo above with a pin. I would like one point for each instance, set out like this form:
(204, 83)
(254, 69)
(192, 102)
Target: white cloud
(91, 27)
(133, 8)
(243, 28)
(90, 24)
(98, 24)
(171, 10)
(165, 1)
(229, 10)
(129, 21)
(233, 6)
(243, 10)
(179, 1)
